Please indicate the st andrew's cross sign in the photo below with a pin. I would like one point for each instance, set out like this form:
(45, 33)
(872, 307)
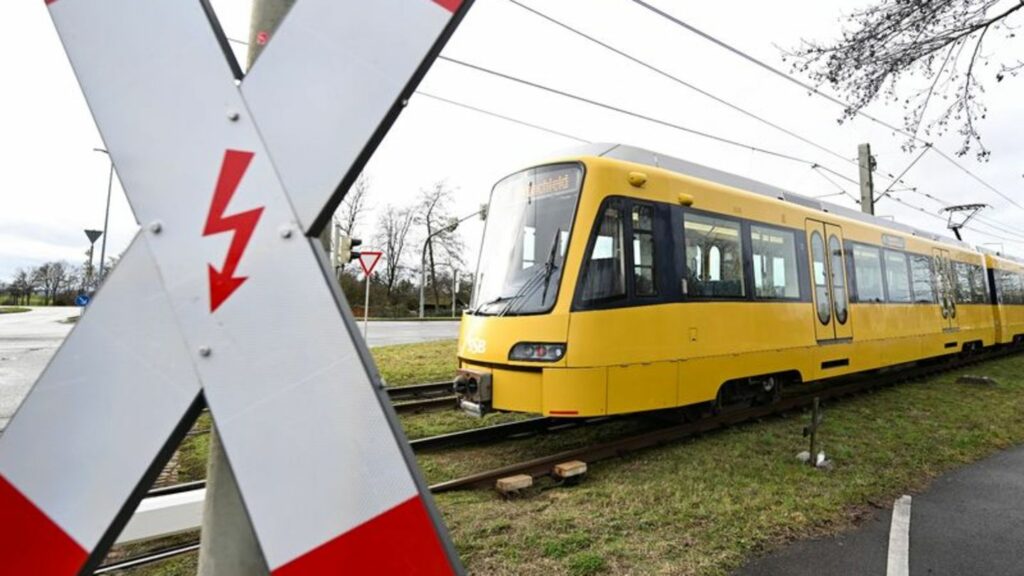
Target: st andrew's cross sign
(223, 297)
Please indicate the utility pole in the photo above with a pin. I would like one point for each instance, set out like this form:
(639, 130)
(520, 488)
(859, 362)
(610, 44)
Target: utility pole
(228, 544)
(867, 184)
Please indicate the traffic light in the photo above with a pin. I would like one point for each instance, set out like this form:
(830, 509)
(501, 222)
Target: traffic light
(345, 252)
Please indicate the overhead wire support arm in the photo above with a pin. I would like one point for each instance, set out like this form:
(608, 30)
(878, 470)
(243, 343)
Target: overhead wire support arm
(903, 173)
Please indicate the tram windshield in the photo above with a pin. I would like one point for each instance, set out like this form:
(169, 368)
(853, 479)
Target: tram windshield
(527, 234)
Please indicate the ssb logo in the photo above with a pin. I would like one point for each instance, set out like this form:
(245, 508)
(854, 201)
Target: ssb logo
(475, 346)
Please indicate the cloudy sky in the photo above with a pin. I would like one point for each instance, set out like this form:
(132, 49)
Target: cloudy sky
(53, 185)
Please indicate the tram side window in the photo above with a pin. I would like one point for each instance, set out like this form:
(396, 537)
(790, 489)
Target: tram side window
(867, 267)
(775, 263)
(643, 250)
(605, 274)
(964, 280)
(979, 284)
(819, 273)
(897, 276)
(714, 257)
(921, 273)
(1011, 287)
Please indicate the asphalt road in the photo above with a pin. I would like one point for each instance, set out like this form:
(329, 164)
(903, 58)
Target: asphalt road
(29, 339)
(970, 521)
(385, 333)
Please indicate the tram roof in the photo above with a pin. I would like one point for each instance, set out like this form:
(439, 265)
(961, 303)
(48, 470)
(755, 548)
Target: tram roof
(649, 158)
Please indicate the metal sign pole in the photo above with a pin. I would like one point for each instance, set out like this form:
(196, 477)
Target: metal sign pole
(366, 307)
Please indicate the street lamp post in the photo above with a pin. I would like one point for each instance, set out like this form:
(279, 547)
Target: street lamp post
(482, 212)
(106, 214)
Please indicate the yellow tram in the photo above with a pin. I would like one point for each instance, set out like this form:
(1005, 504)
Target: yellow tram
(618, 280)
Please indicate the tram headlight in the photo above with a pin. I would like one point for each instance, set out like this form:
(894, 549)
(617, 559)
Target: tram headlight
(537, 352)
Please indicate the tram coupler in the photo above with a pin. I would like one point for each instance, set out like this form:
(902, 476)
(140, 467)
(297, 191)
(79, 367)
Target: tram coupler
(473, 390)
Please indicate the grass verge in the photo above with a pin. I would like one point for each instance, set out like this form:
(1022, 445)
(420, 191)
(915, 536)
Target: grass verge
(13, 309)
(406, 364)
(706, 505)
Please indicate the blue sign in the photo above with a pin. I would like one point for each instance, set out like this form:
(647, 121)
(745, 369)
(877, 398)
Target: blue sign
(82, 300)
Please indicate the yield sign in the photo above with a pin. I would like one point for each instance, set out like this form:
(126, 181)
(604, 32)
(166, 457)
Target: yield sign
(368, 259)
(223, 297)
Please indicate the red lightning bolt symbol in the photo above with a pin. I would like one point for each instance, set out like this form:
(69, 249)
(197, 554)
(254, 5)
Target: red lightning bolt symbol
(223, 282)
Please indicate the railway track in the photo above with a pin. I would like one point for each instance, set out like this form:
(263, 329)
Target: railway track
(422, 397)
(542, 466)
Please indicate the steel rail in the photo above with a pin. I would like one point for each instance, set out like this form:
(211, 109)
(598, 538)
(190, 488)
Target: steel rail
(507, 431)
(420, 391)
(504, 431)
(542, 466)
(148, 558)
(426, 405)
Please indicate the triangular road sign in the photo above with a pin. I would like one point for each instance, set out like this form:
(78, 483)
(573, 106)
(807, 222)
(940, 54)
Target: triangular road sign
(368, 259)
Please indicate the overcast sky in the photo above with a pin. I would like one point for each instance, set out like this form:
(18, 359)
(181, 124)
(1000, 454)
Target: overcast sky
(53, 185)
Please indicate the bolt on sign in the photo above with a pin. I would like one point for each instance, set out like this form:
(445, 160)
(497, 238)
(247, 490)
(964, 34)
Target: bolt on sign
(223, 297)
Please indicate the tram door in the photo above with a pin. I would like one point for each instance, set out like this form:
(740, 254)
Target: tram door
(945, 288)
(828, 274)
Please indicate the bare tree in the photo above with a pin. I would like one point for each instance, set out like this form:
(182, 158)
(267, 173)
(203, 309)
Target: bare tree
(23, 285)
(435, 215)
(51, 277)
(938, 41)
(354, 205)
(393, 226)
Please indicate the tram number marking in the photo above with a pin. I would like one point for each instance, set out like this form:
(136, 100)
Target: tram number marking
(475, 346)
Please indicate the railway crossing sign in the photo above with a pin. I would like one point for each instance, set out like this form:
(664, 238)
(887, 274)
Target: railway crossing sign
(368, 260)
(224, 298)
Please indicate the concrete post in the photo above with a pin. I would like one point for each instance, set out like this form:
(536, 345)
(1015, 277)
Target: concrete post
(228, 545)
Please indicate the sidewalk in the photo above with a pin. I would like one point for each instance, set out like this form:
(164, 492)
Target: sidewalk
(970, 521)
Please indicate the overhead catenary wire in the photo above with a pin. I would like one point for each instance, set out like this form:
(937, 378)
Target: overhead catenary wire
(814, 165)
(814, 90)
(626, 112)
(819, 168)
(661, 72)
(503, 117)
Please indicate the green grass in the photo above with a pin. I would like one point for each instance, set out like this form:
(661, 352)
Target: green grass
(416, 363)
(708, 504)
(13, 309)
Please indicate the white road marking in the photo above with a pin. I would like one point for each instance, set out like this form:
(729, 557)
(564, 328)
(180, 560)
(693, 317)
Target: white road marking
(899, 539)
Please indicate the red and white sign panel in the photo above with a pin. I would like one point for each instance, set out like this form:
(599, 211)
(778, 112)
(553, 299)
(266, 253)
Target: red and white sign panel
(368, 260)
(221, 293)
